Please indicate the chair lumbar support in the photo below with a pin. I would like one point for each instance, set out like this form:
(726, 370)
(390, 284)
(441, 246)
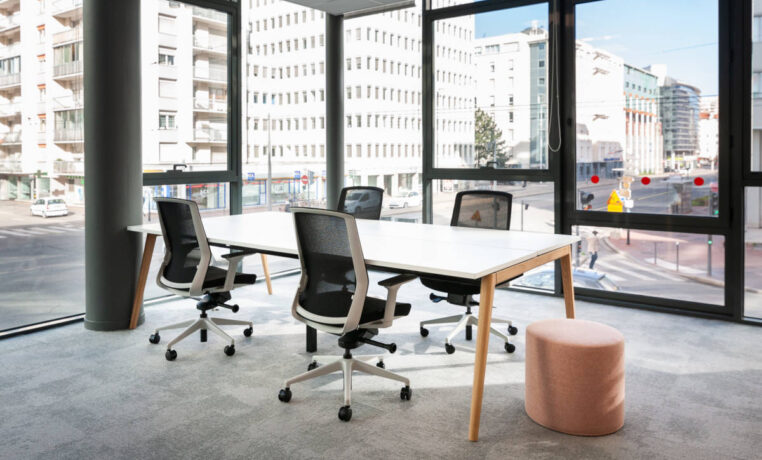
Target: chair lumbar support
(347, 364)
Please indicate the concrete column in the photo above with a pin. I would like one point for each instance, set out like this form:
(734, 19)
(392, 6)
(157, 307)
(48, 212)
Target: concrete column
(334, 108)
(113, 163)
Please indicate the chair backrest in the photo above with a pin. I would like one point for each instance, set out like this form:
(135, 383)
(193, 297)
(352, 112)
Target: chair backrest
(482, 209)
(186, 250)
(334, 279)
(361, 202)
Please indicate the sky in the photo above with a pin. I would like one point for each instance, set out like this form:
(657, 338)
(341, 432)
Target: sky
(682, 34)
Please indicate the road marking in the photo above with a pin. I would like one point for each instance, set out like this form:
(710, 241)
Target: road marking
(46, 229)
(68, 229)
(14, 233)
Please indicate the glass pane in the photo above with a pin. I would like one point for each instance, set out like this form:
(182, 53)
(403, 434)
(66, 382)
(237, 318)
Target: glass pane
(213, 200)
(42, 183)
(753, 254)
(531, 211)
(185, 87)
(681, 266)
(647, 106)
(284, 108)
(756, 86)
(491, 91)
(445, 3)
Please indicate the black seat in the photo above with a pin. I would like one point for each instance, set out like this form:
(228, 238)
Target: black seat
(332, 297)
(187, 271)
(361, 201)
(475, 209)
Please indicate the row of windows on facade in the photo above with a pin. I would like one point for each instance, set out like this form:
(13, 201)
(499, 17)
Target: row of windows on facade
(356, 121)
(356, 151)
(285, 20)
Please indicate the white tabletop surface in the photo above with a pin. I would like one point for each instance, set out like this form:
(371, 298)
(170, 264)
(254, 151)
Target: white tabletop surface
(401, 246)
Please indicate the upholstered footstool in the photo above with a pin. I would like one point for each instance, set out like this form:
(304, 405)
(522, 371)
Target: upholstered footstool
(575, 376)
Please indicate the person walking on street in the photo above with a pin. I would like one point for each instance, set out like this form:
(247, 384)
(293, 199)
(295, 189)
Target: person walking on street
(592, 248)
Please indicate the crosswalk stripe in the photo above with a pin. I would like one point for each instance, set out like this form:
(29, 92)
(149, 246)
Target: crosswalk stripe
(14, 233)
(67, 229)
(26, 230)
(47, 230)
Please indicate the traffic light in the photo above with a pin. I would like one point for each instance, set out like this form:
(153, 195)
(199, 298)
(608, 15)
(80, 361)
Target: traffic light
(585, 199)
(714, 204)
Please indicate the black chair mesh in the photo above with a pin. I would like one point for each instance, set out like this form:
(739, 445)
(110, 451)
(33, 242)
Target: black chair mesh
(482, 209)
(361, 202)
(181, 240)
(476, 209)
(327, 260)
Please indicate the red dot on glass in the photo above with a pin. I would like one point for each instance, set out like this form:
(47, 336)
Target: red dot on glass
(698, 181)
(645, 180)
(595, 179)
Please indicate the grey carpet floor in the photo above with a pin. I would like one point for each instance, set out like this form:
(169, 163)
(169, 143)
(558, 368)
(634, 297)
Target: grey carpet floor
(694, 390)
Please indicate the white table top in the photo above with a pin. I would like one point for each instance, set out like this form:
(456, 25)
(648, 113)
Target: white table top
(400, 246)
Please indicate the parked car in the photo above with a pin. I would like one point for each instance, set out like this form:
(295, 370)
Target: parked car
(357, 200)
(48, 207)
(583, 278)
(405, 199)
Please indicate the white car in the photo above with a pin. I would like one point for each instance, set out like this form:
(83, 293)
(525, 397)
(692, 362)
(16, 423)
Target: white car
(47, 207)
(405, 199)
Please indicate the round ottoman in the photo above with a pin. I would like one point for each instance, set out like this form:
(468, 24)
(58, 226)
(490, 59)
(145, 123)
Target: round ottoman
(575, 376)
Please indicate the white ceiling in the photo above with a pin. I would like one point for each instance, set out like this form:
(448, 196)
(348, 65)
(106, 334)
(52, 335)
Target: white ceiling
(354, 7)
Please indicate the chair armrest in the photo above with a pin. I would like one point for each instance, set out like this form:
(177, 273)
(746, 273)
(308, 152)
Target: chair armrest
(241, 253)
(398, 280)
(233, 260)
(392, 285)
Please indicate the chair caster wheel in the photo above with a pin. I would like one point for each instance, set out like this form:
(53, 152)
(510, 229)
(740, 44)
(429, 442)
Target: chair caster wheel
(230, 350)
(392, 348)
(248, 331)
(285, 395)
(234, 309)
(381, 365)
(313, 365)
(513, 330)
(345, 413)
(406, 393)
(154, 338)
(450, 349)
(170, 355)
(509, 347)
(424, 332)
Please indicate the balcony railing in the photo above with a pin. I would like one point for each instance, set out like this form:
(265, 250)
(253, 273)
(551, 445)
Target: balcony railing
(42, 137)
(71, 35)
(71, 101)
(10, 166)
(14, 49)
(69, 167)
(10, 138)
(60, 6)
(75, 134)
(212, 105)
(215, 73)
(216, 45)
(7, 22)
(210, 14)
(210, 135)
(10, 80)
(10, 109)
(69, 68)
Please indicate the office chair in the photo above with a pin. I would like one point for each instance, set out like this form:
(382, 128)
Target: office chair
(476, 209)
(330, 253)
(361, 202)
(187, 271)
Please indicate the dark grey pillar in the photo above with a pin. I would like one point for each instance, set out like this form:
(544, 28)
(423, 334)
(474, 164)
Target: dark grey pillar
(113, 170)
(334, 108)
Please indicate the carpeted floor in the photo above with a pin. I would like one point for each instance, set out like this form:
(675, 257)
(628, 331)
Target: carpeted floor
(694, 390)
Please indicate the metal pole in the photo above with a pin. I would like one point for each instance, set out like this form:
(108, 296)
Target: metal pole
(709, 255)
(579, 244)
(655, 244)
(269, 166)
(522, 215)
(334, 108)
(677, 256)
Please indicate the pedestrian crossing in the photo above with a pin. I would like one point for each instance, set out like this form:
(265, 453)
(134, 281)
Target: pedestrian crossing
(624, 271)
(39, 230)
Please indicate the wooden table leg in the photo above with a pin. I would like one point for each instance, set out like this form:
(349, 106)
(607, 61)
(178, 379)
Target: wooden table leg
(267, 273)
(486, 298)
(568, 283)
(145, 265)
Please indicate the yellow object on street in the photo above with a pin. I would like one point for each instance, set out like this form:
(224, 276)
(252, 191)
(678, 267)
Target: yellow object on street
(614, 204)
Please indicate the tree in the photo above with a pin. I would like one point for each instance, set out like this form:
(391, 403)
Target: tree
(485, 134)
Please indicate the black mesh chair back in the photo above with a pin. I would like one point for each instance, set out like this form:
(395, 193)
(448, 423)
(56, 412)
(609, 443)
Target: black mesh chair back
(361, 202)
(184, 239)
(333, 269)
(482, 209)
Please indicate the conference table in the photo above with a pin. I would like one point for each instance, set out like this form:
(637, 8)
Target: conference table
(492, 256)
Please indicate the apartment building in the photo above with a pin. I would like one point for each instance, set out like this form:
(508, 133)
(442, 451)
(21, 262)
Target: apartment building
(644, 141)
(41, 129)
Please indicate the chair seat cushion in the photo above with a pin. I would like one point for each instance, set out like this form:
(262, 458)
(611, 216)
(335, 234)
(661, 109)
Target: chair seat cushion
(336, 304)
(215, 278)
